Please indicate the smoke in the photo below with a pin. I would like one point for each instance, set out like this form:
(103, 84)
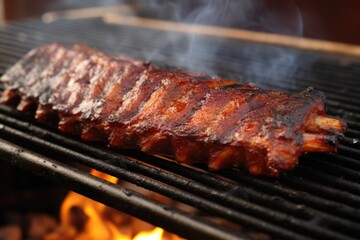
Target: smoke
(282, 17)
(199, 53)
(279, 64)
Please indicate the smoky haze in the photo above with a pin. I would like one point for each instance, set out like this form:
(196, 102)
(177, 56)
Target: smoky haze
(190, 50)
(199, 53)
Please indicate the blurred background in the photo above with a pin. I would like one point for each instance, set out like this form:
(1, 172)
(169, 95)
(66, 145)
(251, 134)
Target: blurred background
(332, 20)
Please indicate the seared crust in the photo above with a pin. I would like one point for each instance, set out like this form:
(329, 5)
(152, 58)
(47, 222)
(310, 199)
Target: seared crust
(131, 104)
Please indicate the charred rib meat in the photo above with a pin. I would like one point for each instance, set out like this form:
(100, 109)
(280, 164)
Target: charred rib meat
(131, 104)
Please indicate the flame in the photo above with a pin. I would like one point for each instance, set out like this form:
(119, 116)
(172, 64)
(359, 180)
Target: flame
(150, 235)
(104, 176)
(85, 219)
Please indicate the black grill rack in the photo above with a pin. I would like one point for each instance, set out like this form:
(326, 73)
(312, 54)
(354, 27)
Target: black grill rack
(319, 199)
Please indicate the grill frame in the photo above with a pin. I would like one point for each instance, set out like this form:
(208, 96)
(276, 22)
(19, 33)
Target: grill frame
(204, 188)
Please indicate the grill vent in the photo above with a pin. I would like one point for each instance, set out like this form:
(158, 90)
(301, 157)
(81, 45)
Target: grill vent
(319, 199)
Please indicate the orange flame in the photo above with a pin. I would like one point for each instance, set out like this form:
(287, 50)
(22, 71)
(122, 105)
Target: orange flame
(150, 235)
(93, 225)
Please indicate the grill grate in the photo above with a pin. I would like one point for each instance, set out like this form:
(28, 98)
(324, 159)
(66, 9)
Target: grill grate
(319, 199)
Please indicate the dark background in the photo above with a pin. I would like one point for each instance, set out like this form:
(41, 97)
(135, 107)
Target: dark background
(334, 20)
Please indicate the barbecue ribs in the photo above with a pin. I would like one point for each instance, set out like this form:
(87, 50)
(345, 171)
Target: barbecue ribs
(132, 104)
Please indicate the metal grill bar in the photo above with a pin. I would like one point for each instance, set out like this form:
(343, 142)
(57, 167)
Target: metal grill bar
(180, 195)
(114, 196)
(129, 176)
(135, 166)
(230, 68)
(90, 33)
(229, 64)
(319, 199)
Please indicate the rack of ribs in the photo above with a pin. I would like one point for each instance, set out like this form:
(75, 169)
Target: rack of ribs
(131, 104)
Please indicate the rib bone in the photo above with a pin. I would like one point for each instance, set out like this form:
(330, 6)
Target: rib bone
(319, 143)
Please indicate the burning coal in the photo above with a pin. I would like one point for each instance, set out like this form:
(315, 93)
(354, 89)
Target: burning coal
(85, 219)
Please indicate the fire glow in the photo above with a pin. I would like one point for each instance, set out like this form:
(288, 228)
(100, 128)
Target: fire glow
(85, 219)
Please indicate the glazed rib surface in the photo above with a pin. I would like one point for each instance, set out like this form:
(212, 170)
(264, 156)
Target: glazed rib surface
(132, 104)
